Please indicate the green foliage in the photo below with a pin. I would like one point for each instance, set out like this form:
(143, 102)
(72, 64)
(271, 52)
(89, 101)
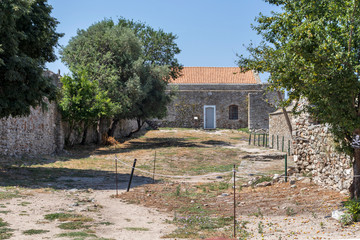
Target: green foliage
(159, 47)
(27, 40)
(82, 102)
(311, 49)
(113, 55)
(353, 208)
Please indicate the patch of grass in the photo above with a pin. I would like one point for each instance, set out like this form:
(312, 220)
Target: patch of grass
(262, 179)
(9, 195)
(191, 226)
(67, 217)
(5, 233)
(106, 223)
(246, 130)
(80, 235)
(35, 231)
(5, 212)
(208, 168)
(136, 229)
(24, 204)
(73, 225)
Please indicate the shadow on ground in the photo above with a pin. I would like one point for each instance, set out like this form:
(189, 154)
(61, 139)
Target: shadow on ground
(64, 178)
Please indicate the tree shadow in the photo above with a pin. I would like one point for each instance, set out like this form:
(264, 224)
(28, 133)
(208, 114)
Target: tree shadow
(65, 178)
(216, 143)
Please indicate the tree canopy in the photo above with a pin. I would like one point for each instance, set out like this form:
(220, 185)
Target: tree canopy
(116, 57)
(27, 40)
(312, 49)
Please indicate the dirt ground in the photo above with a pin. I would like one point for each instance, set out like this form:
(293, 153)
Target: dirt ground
(195, 179)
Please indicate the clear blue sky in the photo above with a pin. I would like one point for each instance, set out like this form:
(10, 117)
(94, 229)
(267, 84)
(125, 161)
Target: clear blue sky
(210, 32)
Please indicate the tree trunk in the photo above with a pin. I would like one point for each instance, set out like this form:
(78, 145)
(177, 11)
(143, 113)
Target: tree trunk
(113, 126)
(285, 114)
(355, 186)
(84, 135)
(138, 129)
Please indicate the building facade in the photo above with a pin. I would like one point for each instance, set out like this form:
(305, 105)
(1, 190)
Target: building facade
(219, 97)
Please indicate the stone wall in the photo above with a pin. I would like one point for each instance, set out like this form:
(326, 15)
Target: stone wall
(39, 133)
(315, 154)
(190, 99)
(278, 129)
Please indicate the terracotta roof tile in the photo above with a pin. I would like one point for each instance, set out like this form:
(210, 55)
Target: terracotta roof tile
(215, 75)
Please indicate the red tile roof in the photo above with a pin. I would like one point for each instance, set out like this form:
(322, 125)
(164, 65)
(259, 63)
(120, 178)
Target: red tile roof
(216, 75)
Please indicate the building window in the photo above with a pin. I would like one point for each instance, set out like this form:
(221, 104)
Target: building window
(233, 112)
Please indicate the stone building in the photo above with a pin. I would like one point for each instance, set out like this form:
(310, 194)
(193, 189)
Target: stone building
(219, 97)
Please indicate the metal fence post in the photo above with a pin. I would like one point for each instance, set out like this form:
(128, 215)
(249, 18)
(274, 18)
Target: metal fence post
(285, 168)
(131, 175)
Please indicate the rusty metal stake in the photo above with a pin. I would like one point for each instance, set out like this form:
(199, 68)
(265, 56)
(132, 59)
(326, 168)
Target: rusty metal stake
(131, 175)
(234, 203)
(154, 168)
(116, 177)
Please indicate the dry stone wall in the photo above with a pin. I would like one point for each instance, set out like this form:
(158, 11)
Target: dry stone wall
(315, 154)
(39, 133)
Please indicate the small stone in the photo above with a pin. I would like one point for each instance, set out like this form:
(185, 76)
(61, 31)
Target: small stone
(306, 180)
(293, 186)
(292, 182)
(337, 214)
(225, 194)
(219, 177)
(192, 201)
(263, 184)
(205, 205)
(276, 177)
(148, 194)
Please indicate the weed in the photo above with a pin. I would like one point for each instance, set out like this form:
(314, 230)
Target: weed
(34, 231)
(257, 214)
(314, 215)
(177, 191)
(260, 227)
(346, 219)
(290, 211)
(322, 225)
(243, 224)
(353, 208)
